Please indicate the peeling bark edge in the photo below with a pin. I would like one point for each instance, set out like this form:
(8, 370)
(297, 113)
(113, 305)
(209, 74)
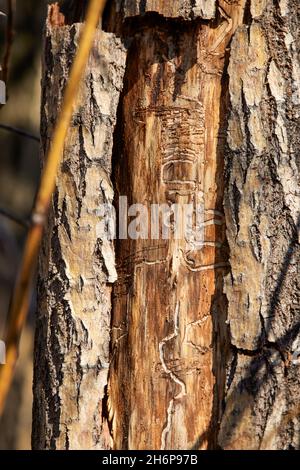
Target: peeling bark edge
(180, 9)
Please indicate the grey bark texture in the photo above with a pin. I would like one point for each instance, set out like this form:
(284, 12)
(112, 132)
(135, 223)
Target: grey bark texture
(262, 208)
(76, 266)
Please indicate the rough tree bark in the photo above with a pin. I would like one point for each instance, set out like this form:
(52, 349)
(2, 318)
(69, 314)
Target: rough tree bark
(262, 207)
(202, 341)
(76, 265)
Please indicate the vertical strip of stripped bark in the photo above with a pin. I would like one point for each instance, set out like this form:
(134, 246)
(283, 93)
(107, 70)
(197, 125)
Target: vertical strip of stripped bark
(168, 303)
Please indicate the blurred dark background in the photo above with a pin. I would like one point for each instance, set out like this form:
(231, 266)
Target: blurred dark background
(19, 176)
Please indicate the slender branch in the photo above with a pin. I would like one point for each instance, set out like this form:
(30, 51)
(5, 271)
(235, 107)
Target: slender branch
(9, 38)
(23, 289)
(20, 132)
(14, 218)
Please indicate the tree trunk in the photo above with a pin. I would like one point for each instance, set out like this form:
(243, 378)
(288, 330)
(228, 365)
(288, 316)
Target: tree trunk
(203, 340)
(76, 265)
(262, 207)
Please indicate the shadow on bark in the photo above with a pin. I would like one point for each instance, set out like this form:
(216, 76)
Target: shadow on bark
(260, 358)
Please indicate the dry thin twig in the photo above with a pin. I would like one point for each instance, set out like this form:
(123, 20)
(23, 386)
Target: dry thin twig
(21, 296)
(9, 37)
(21, 132)
(18, 220)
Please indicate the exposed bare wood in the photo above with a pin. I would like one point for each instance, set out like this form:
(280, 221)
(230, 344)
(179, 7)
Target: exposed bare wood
(168, 299)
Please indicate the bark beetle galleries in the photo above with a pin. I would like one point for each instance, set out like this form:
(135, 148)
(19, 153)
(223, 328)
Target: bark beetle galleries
(168, 297)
